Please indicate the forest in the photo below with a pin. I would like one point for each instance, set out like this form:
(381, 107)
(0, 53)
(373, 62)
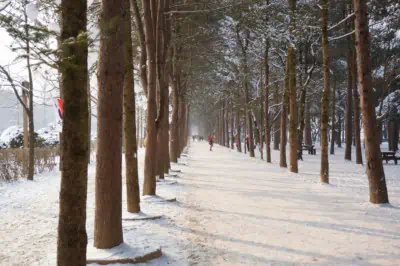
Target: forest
(156, 101)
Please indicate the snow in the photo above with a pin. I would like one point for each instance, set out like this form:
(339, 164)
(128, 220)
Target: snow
(50, 134)
(391, 104)
(8, 134)
(32, 11)
(230, 210)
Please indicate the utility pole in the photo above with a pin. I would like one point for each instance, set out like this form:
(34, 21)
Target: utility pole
(25, 84)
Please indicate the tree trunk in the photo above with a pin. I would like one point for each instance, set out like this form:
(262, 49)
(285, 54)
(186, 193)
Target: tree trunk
(149, 184)
(227, 125)
(293, 112)
(349, 96)
(339, 134)
(131, 160)
(223, 123)
(266, 104)
(72, 238)
(174, 141)
(324, 173)
(375, 171)
(334, 134)
(356, 108)
(302, 106)
(111, 74)
(284, 114)
(276, 125)
(245, 132)
(238, 129)
(307, 126)
(232, 128)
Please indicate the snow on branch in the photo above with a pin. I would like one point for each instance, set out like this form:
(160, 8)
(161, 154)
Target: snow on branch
(342, 21)
(343, 36)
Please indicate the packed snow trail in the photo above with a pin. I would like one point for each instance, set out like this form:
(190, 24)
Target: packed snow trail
(241, 211)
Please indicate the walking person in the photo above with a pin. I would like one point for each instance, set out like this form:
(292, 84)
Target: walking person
(210, 141)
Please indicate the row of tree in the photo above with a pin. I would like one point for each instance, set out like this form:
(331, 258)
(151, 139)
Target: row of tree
(150, 49)
(307, 61)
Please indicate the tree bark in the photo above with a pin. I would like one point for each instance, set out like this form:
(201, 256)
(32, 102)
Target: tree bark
(374, 167)
(276, 125)
(174, 140)
(324, 173)
(334, 134)
(349, 96)
(238, 129)
(232, 127)
(131, 160)
(307, 126)
(111, 74)
(266, 104)
(284, 114)
(293, 112)
(149, 184)
(142, 42)
(72, 237)
(356, 118)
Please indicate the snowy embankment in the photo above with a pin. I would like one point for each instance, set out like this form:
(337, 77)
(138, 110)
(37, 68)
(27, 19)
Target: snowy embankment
(29, 217)
(230, 210)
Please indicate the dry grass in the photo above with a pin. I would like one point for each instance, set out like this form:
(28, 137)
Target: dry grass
(14, 162)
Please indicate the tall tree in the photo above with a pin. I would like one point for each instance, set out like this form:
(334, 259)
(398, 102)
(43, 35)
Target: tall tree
(293, 111)
(334, 135)
(374, 167)
(72, 238)
(131, 158)
(149, 185)
(356, 109)
(111, 74)
(266, 102)
(292, 92)
(324, 173)
(244, 45)
(349, 95)
(284, 114)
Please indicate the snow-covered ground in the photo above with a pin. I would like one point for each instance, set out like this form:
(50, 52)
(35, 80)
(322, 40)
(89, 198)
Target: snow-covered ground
(230, 210)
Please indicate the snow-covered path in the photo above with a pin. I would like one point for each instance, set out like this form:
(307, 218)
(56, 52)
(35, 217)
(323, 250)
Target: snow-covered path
(230, 210)
(240, 211)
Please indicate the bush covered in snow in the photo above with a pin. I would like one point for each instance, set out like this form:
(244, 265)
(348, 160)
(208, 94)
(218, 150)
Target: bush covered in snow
(13, 137)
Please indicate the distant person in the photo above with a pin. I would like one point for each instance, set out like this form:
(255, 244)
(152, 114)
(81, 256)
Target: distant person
(248, 142)
(210, 141)
(194, 137)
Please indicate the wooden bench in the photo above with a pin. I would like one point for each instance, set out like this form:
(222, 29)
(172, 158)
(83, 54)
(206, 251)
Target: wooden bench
(310, 148)
(390, 156)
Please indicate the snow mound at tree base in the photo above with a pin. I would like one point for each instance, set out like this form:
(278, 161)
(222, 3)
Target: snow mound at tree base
(139, 216)
(124, 253)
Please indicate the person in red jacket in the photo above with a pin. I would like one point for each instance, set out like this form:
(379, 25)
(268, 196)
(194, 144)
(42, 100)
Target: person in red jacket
(210, 141)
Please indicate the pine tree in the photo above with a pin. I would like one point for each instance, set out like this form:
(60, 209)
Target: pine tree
(375, 171)
(131, 156)
(111, 74)
(324, 173)
(72, 238)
